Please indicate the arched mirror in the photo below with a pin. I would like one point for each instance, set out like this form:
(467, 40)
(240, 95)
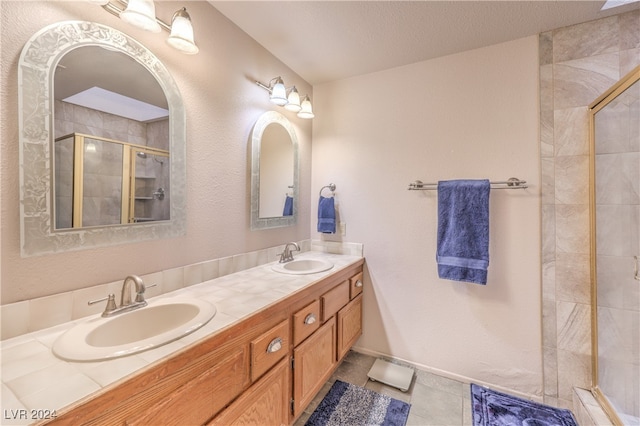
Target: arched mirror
(274, 172)
(102, 141)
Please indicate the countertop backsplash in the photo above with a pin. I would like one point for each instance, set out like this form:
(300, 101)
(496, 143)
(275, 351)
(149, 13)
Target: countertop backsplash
(36, 314)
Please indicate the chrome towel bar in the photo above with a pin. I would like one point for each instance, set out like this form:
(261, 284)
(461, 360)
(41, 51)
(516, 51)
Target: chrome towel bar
(511, 183)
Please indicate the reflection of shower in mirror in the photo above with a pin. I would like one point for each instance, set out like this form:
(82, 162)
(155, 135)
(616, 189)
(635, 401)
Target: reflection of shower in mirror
(144, 155)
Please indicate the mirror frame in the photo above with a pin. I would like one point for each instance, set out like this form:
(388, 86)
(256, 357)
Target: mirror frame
(36, 69)
(257, 222)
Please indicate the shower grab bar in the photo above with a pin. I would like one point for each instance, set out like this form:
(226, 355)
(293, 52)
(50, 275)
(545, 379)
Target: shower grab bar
(511, 183)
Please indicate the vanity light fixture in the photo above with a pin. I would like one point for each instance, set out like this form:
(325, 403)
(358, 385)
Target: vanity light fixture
(142, 14)
(288, 98)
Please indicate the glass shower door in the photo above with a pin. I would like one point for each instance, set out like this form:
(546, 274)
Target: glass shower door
(615, 126)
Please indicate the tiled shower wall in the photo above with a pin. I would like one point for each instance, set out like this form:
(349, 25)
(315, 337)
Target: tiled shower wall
(577, 64)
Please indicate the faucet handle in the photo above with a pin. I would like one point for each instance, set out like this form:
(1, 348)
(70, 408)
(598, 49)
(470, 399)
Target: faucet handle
(111, 303)
(140, 294)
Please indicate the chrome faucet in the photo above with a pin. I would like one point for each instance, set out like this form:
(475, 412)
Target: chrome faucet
(126, 304)
(125, 295)
(286, 255)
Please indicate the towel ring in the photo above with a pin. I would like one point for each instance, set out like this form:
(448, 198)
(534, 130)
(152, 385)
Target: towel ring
(331, 186)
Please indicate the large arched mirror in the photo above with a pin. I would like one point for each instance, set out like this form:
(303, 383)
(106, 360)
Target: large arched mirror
(274, 172)
(102, 141)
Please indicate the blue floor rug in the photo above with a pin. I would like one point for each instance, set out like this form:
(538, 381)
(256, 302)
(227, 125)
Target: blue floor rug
(491, 408)
(351, 405)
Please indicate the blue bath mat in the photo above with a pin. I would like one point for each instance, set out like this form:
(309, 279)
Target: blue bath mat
(351, 405)
(491, 408)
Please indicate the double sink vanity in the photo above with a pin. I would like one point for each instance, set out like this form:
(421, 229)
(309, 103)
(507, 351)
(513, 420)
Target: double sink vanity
(252, 347)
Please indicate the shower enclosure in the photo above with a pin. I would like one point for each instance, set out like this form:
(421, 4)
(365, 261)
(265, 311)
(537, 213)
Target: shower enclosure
(615, 259)
(101, 182)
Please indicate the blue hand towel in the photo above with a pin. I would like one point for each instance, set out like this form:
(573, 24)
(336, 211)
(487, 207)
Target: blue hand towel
(326, 215)
(463, 230)
(288, 207)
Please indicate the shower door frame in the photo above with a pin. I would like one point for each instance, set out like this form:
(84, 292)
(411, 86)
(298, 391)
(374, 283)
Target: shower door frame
(601, 102)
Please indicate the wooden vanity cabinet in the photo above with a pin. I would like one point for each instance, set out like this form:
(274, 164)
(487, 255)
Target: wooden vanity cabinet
(264, 369)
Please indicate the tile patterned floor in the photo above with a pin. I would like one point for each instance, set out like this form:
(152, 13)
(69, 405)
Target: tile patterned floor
(435, 400)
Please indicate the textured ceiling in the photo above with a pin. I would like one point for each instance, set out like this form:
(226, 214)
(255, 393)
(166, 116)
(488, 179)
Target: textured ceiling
(330, 40)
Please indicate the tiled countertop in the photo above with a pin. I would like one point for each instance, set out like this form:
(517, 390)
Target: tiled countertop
(36, 383)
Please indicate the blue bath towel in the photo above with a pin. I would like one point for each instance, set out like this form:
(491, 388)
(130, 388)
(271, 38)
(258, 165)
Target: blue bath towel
(288, 207)
(326, 215)
(463, 230)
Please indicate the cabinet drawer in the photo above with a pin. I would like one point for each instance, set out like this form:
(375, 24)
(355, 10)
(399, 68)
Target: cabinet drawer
(305, 322)
(355, 285)
(269, 348)
(334, 300)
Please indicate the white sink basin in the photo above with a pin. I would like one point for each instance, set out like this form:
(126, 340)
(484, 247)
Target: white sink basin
(303, 266)
(136, 331)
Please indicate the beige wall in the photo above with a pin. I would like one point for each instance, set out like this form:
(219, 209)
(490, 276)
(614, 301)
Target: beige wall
(222, 102)
(469, 115)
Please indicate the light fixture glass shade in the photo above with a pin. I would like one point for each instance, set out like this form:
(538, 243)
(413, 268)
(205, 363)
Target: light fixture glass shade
(90, 147)
(293, 100)
(279, 93)
(182, 33)
(99, 2)
(142, 14)
(306, 111)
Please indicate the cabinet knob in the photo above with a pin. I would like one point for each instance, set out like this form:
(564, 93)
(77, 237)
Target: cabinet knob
(359, 283)
(310, 319)
(275, 345)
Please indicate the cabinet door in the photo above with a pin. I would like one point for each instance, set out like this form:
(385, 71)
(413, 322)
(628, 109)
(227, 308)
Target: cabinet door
(201, 398)
(265, 403)
(349, 325)
(314, 361)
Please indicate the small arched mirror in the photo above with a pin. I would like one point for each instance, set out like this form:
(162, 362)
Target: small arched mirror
(94, 172)
(274, 172)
